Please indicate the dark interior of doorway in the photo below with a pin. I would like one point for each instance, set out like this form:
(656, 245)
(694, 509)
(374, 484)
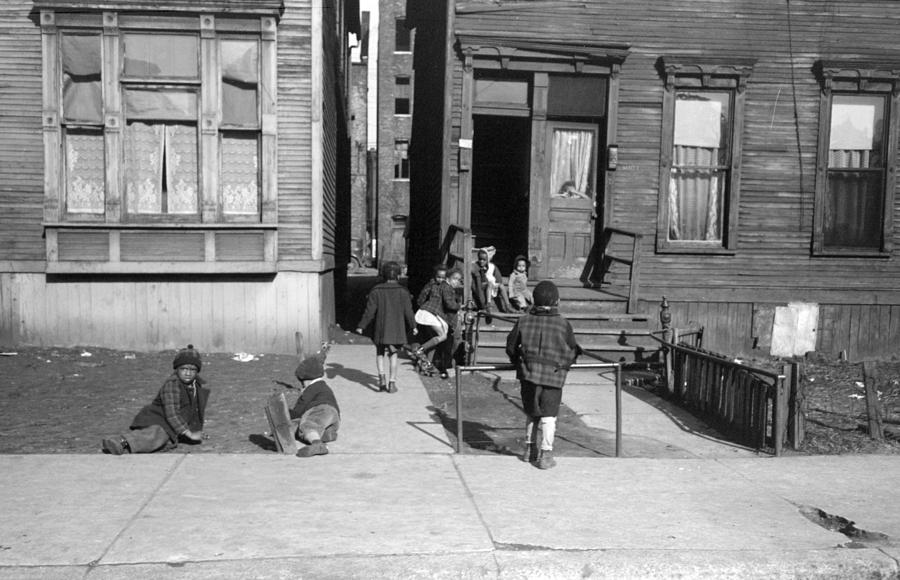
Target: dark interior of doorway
(501, 156)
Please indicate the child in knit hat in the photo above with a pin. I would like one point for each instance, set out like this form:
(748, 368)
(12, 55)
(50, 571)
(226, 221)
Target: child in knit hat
(316, 412)
(176, 414)
(542, 346)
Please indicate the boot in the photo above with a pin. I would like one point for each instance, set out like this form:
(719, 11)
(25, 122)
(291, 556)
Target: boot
(382, 384)
(330, 434)
(392, 387)
(116, 446)
(545, 460)
(314, 448)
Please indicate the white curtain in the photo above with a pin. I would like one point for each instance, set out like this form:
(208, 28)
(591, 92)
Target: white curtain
(696, 191)
(571, 162)
(143, 167)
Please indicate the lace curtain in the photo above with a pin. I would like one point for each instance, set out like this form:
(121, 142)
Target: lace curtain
(695, 195)
(571, 165)
(240, 175)
(85, 169)
(145, 146)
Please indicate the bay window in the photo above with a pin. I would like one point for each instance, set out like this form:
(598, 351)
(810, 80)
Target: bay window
(156, 122)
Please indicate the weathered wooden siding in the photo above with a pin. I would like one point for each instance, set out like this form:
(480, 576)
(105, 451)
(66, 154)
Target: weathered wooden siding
(21, 142)
(257, 316)
(295, 131)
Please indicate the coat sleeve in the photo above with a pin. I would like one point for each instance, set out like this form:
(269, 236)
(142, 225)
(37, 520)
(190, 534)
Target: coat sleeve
(408, 316)
(573, 345)
(369, 313)
(512, 344)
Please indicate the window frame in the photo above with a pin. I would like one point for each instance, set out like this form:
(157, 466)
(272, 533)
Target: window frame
(401, 163)
(258, 24)
(400, 24)
(870, 79)
(398, 100)
(712, 75)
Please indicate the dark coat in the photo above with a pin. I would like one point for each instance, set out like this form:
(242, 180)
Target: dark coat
(318, 393)
(542, 346)
(191, 410)
(390, 305)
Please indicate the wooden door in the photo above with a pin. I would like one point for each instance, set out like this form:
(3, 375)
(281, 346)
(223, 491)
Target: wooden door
(569, 192)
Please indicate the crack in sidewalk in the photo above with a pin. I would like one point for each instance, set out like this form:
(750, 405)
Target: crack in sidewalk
(859, 538)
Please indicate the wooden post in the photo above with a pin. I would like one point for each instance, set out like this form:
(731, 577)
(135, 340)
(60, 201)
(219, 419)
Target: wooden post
(797, 408)
(780, 407)
(873, 407)
(670, 367)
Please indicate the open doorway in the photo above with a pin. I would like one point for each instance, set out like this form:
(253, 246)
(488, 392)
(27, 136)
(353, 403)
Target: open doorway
(501, 154)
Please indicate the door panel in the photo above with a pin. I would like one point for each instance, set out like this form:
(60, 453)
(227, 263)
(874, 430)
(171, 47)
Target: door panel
(572, 177)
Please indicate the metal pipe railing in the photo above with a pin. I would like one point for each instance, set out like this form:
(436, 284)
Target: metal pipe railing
(510, 367)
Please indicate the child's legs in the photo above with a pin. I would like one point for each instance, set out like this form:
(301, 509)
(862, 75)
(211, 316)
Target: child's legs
(440, 336)
(541, 404)
(314, 422)
(381, 353)
(394, 363)
(147, 439)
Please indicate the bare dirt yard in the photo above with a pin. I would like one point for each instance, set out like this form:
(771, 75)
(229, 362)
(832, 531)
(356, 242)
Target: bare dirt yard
(66, 400)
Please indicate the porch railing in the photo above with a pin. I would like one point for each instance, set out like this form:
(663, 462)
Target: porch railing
(632, 260)
(753, 405)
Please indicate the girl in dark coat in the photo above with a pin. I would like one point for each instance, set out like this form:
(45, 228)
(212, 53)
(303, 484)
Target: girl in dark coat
(390, 305)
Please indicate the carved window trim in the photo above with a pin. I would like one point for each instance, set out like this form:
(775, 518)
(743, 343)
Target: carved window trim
(855, 78)
(690, 73)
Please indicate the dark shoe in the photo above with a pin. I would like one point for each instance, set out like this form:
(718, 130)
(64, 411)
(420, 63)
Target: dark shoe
(392, 387)
(381, 383)
(330, 434)
(545, 461)
(115, 446)
(314, 448)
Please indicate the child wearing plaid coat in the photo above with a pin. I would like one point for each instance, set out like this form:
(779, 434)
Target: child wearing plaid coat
(542, 346)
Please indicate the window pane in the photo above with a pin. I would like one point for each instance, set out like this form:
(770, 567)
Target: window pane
(853, 210)
(144, 145)
(161, 55)
(576, 96)
(240, 80)
(857, 131)
(403, 42)
(169, 104)
(82, 97)
(696, 199)
(161, 168)
(501, 91)
(181, 169)
(85, 170)
(703, 120)
(572, 164)
(240, 174)
(401, 160)
(401, 96)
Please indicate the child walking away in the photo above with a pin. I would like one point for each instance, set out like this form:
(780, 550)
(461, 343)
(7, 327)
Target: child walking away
(519, 295)
(390, 305)
(175, 414)
(542, 346)
(316, 412)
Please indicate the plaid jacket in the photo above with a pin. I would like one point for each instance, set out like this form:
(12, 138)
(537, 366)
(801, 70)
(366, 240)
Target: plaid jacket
(440, 300)
(542, 346)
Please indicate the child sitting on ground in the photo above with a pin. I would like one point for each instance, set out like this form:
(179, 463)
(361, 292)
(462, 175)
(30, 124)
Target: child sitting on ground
(316, 412)
(175, 414)
(542, 346)
(520, 296)
(390, 305)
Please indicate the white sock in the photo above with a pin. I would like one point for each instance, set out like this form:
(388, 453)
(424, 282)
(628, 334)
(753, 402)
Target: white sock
(548, 431)
(529, 430)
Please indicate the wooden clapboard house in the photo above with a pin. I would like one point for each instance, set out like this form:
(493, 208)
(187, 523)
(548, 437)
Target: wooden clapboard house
(744, 152)
(172, 171)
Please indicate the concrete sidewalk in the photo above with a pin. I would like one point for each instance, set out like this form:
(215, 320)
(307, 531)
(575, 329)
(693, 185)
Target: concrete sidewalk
(415, 510)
